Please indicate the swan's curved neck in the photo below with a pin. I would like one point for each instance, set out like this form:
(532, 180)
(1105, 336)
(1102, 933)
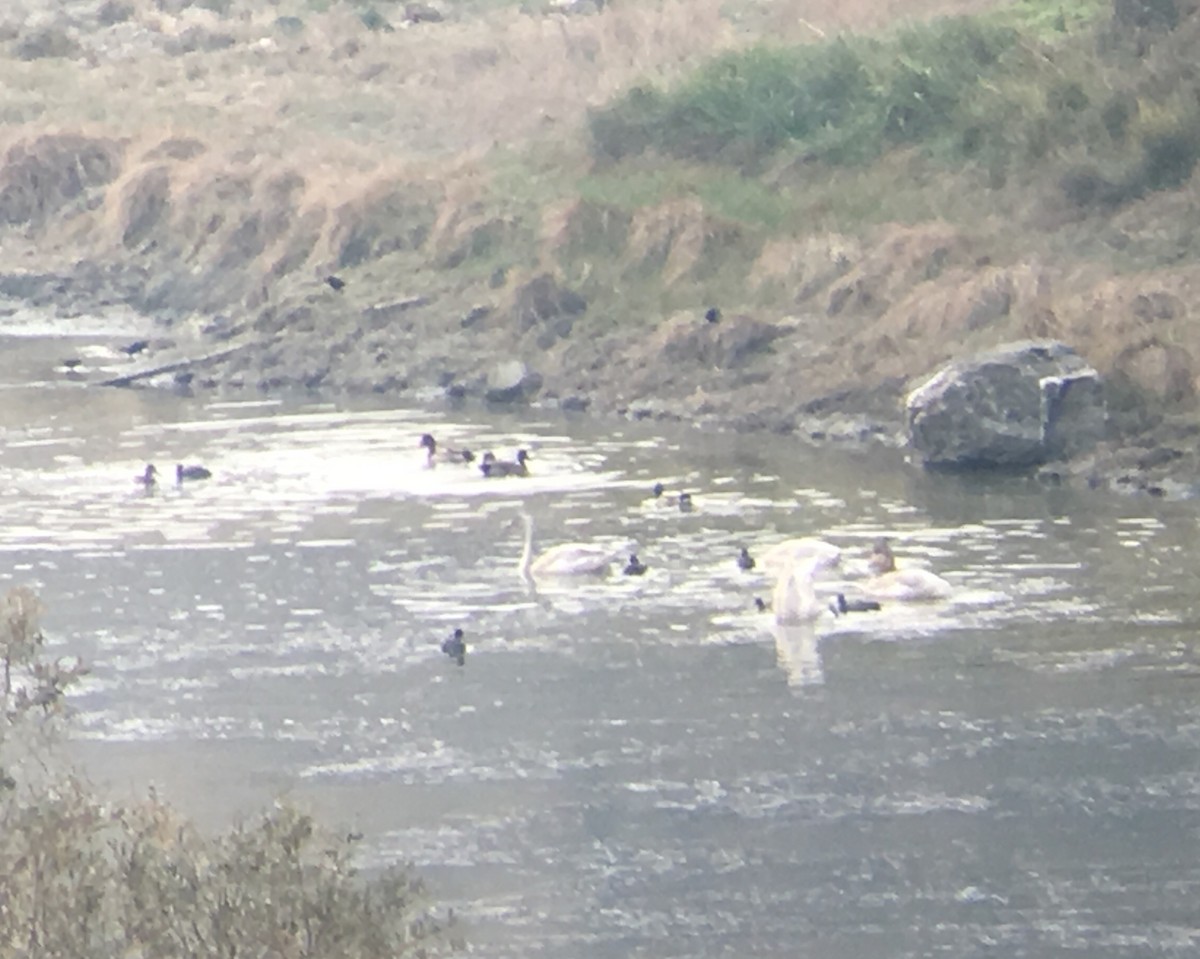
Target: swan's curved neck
(527, 553)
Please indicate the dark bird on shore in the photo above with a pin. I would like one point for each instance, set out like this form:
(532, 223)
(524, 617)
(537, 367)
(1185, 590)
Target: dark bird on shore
(745, 560)
(336, 282)
(492, 467)
(635, 567)
(713, 315)
(760, 604)
(455, 646)
(191, 473)
(147, 477)
(843, 605)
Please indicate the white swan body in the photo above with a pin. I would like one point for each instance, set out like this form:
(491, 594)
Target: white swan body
(565, 559)
(796, 551)
(795, 600)
(906, 585)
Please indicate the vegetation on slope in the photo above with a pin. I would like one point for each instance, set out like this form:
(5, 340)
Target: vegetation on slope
(1108, 108)
(882, 199)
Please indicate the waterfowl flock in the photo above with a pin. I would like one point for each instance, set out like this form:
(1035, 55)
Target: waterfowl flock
(794, 566)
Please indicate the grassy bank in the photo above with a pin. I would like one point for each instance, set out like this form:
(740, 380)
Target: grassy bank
(888, 181)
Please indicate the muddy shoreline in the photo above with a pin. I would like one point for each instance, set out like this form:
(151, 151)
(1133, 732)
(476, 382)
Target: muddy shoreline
(327, 344)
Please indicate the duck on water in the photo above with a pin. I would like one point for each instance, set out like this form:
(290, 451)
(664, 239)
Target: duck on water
(435, 454)
(191, 473)
(493, 468)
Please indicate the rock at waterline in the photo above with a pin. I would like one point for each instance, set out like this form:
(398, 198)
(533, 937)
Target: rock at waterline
(511, 381)
(1014, 407)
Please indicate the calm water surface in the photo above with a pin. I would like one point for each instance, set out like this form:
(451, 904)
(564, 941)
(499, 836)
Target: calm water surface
(629, 766)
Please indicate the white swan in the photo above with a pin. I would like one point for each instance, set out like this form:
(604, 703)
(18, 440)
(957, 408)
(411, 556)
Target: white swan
(795, 599)
(907, 585)
(793, 551)
(565, 559)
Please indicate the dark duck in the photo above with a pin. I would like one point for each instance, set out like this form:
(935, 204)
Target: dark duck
(492, 467)
(635, 567)
(841, 605)
(435, 454)
(191, 473)
(455, 646)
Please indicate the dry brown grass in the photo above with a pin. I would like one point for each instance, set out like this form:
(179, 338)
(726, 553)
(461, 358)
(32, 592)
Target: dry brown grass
(342, 95)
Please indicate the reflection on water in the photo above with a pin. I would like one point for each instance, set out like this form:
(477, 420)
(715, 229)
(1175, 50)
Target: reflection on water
(632, 765)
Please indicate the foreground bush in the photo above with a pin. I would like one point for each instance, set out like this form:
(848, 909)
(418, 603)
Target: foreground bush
(81, 879)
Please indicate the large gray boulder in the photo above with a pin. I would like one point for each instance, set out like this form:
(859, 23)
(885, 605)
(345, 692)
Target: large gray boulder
(1017, 406)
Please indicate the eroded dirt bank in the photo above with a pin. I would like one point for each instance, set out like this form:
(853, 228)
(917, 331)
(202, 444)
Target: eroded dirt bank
(235, 162)
(229, 257)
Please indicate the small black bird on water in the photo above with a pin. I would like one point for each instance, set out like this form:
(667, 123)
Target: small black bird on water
(760, 604)
(635, 567)
(336, 282)
(455, 647)
(745, 560)
(713, 315)
(683, 500)
(844, 605)
(191, 473)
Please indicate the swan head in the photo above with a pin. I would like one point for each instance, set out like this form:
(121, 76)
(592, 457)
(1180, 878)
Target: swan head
(428, 442)
(522, 456)
(658, 490)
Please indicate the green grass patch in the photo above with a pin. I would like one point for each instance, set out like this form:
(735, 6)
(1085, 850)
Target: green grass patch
(725, 193)
(846, 101)
(1049, 21)
(1070, 100)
